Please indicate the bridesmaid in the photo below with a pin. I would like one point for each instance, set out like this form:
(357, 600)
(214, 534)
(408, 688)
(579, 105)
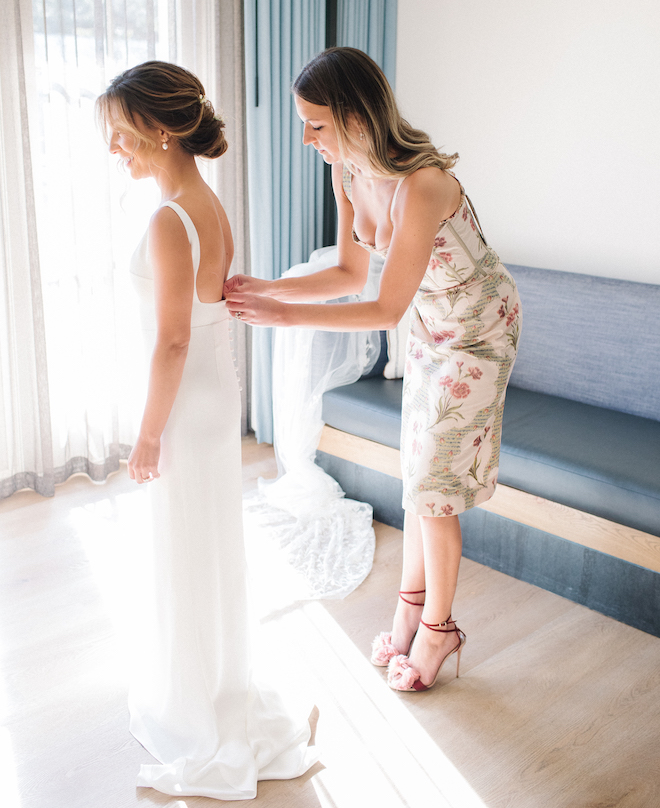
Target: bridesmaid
(193, 702)
(396, 196)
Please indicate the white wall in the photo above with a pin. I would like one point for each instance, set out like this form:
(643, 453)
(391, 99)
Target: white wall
(554, 107)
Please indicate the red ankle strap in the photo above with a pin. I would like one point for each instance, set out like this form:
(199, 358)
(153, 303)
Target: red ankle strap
(412, 602)
(441, 627)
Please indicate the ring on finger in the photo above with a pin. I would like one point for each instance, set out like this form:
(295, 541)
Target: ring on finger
(239, 315)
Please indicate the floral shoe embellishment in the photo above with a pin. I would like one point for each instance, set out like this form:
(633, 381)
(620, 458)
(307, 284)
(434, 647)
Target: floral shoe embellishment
(382, 649)
(402, 673)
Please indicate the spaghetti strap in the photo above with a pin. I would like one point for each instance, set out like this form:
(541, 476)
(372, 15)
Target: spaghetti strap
(396, 193)
(191, 232)
(476, 218)
(347, 183)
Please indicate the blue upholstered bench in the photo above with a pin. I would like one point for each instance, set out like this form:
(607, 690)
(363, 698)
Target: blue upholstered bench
(577, 510)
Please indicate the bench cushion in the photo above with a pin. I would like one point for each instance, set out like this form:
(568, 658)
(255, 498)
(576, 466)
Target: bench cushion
(593, 459)
(370, 408)
(590, 458)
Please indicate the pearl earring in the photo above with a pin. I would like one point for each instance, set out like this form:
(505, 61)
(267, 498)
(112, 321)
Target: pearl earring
(361, 135)
(164, 146)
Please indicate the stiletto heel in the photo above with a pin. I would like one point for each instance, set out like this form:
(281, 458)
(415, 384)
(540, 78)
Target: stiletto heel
(459, 652)
(382, 649)
(402, 676)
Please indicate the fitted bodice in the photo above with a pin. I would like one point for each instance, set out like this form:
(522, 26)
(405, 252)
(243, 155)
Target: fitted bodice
(142, 275)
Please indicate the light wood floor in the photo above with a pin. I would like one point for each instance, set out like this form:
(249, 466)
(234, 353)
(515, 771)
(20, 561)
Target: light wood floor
(556, 707)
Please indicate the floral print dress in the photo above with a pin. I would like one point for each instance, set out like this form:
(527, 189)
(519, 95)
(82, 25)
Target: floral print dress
(464, 329)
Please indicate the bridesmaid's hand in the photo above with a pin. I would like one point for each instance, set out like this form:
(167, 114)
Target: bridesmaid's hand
(143, 461)
(246, 283)
(255, 309)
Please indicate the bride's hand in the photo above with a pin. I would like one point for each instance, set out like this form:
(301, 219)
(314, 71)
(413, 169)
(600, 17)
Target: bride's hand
(255, 309)
(246, 283)
(143, 461)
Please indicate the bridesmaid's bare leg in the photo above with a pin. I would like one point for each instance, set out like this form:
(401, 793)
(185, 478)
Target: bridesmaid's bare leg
(406, 617)
(442, 544)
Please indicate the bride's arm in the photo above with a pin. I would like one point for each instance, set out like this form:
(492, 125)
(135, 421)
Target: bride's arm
(173, 288)
(347, 278)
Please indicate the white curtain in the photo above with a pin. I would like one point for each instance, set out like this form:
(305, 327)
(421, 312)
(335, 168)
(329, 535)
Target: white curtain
(70, 394)
(25, 436)
(212, 46)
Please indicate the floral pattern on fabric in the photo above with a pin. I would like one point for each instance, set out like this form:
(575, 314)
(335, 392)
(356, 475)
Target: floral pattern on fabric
(463, 340)
(464, 331)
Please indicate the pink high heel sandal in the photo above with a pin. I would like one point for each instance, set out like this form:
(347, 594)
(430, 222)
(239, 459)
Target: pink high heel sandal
(402, 676)
(382, 649)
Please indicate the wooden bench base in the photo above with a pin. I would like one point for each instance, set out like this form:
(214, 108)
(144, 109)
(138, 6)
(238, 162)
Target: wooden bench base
(576, 526)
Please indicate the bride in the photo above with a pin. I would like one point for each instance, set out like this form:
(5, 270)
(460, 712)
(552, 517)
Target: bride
(193, 704)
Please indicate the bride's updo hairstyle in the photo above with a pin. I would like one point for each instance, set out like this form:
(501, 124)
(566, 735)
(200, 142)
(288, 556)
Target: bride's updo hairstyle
(165, 96)
(351, 84)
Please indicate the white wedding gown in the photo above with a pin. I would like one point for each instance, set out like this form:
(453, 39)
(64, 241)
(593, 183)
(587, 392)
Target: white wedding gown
(193, 702)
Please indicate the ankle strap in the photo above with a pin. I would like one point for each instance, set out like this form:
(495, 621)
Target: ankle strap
(412, 602)
(441, 627)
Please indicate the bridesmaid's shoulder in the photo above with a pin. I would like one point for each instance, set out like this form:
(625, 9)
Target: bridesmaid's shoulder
(431, 179)
(432, 187)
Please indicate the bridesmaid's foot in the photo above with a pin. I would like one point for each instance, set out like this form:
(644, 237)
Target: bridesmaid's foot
(428, 653)
(406, 622)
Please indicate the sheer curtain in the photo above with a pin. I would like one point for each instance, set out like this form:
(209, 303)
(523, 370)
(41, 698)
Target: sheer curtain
(70, 393)
(25, 434)
(212, 47)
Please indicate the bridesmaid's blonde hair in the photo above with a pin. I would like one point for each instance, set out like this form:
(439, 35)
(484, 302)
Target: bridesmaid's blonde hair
(165, 96)
(352, 85)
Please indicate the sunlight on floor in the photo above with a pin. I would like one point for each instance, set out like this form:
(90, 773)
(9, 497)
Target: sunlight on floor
(8, 778)
(496, 736)
(8, 775)
(111, 534)
(379, 741)
(373, 752)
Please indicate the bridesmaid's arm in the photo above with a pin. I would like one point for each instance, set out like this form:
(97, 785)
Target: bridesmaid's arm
(347, 278)
(423, 202)
(173, 287)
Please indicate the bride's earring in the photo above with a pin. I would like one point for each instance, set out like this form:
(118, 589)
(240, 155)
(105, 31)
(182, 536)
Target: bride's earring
(165, 145)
